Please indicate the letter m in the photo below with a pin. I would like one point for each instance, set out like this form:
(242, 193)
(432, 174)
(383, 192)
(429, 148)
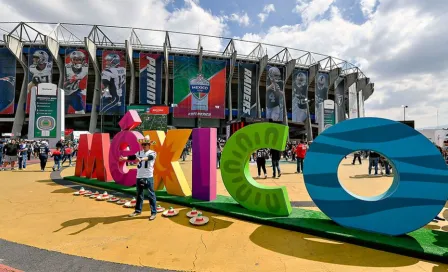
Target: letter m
(93, 157)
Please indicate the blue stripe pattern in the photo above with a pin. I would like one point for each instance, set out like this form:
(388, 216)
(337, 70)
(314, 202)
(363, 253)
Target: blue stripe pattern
(419, 190)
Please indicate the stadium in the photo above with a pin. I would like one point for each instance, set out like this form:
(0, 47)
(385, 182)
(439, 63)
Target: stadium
(208, 81)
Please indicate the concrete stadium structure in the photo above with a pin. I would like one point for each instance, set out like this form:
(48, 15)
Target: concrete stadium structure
(18, 37)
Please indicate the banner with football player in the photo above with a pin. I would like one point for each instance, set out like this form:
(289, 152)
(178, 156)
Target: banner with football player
(321, 93)
(150, 78)
(7, 81)
(339, 99)
(113, 83)
(40, 66)
(199, 94)
(75, 80)
(299, 95)
(274, 93)
(247, 90)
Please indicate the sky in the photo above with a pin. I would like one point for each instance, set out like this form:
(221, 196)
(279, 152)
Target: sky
(401, 45)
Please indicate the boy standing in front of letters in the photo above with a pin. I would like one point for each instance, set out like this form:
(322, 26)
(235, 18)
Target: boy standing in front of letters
(145, 177)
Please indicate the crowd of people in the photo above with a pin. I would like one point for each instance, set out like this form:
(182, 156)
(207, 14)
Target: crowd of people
(17, 152)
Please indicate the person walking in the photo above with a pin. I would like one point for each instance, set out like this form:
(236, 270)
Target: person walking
(145, 176)
(300, 155)
(373, 162)
(275, 157)
(357, 155)
(262, 155)
(44, 151)
(67, 155)
(29, 150)
(2, 146)
(57, 156)
(22, 154)
(218, 154)
(10, 151)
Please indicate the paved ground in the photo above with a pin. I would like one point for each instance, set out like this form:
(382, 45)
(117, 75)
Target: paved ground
(69, 233)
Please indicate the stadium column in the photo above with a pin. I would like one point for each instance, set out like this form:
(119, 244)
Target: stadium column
(91, 49)
(361, 84)
(129, 52)
(349, 80)
(312, 75)
(166, 46)
(16, 47)
(290, 65)
(53, 48)
(261, 66)
(229, 83)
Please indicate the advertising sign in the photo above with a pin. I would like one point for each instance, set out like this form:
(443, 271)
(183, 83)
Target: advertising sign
(40, 68)
(113, 83)
(274, 93)
(329, 119)
(247, 90)
(153, 117)
(150, 78)
(199, 93)
(299, 95)
(321, 92)
(45, 111)
(7, 81)
(75, 80)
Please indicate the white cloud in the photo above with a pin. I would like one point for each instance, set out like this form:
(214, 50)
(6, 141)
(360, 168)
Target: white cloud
(309, 10)
(367, 7)
(266, 10)
(241, 18)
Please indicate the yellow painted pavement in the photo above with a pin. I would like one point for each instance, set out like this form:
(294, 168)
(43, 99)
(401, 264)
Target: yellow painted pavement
(37, 212)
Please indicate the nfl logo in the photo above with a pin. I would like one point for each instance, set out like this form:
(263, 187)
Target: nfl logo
(199, 87)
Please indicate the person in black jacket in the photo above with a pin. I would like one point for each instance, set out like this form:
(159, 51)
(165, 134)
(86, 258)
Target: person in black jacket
(261, 155)
(43, 155)
(373, 162)
(275, 157)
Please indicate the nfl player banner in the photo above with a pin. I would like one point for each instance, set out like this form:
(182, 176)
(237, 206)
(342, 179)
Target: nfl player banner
(199, 95)
(150, 78)
(7, 81)
(40, 65)
(75, 80)
(352, 102)
(361, 104)
(274, 93)
(113, 83)
(339, 97)
(321, 93)
(299, 95)
(247, 90)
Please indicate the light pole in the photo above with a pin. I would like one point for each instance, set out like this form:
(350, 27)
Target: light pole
(404, 112)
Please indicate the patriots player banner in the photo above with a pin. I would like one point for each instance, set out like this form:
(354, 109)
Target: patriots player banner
(339, 98)
(321, 93)
(247, 90)
(299, 95)
(113, 83)
(7, 81)
(274, 93)
(75, 80)
(40, 65)
(197, 94)
(150, 78)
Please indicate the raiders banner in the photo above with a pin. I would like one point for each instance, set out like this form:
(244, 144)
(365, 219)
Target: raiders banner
(150, 78)
(339, 98)
(247, 91)
(299, 95)
(321, 93)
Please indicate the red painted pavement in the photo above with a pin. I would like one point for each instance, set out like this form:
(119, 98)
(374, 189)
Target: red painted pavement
(4, 268)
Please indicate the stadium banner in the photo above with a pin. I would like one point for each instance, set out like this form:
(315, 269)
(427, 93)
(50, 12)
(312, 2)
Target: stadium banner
(274, 93)
(247, 90)
(299, 95)
(40, 66)
(75, 80)
(153, 117)
(321, 93)
(150, 78)
(352, 102)
(45, 111)
(199, 95)
(339, 97)
(329, 118)
(113, 83)
(361, 104)
(7, 81)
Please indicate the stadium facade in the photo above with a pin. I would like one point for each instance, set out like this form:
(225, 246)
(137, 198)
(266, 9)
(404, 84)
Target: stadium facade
(206, 81)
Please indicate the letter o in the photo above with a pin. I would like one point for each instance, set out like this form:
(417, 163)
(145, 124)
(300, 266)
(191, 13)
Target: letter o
(419, 190)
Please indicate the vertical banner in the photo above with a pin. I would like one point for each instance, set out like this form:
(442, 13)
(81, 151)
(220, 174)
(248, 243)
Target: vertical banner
(40, 65)
(7, 81)
(299, 95)
(113, 83)
(150, 78)
(321, 93)
(75, 80)
(339, 98)
(361, 104)
(329, 118)
(352, 102)
(274, 93)
(199, 95)
(44, 111)
(247, 90)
